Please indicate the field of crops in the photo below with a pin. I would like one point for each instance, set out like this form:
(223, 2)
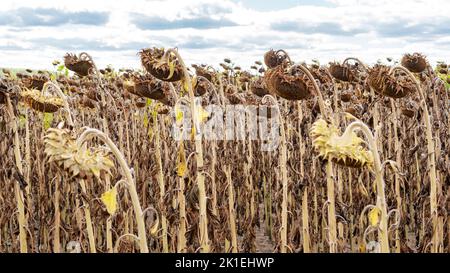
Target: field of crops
(281, 157)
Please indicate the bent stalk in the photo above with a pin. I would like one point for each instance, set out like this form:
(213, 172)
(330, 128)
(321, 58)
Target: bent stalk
(431, 162)
(131, 186)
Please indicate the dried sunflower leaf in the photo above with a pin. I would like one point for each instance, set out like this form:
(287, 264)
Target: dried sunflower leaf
(109, 199)
(374, 216)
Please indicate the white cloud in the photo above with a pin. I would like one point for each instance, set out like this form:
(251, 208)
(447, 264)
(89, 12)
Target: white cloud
(223, 28)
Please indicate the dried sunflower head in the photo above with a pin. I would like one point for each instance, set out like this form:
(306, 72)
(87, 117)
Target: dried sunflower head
(345, 149)
(385, 83)
(41, 102)
(207, 72)
(258, 87)
(414, 62)
(319, 73)
(128, 86)
(289, 82)
(344, 72)
(274, 58)
(82, 65)
(61, 147)
(201, 86)
(165, 67)
(35, 81)
(152, 88)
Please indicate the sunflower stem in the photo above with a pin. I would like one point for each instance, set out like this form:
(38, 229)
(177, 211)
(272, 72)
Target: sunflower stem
(162, 187)
(305, 223)
(332, 235)
(379, 181)
(131, 186)
(17, 189)
(231, 210)
(87, 216)
(431, 162)
(203, 225)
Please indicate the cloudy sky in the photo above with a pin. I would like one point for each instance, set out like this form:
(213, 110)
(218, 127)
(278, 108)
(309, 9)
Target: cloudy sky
(35, 32)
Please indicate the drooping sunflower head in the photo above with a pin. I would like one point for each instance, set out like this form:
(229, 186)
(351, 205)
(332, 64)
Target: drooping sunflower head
(274, 58)
(205, 71)
(343, 72)
(161, 65)
(150, 87)
(345, 149)
(319, 73)
(289, 82)
(82, 65)
(41, 102)
(414, 62)
(258, 87)
(79, 161)
(391, 85)
(35, 81)
(201, 86)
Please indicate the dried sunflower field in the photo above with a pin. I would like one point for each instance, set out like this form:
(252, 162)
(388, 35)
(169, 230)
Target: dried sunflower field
(89, 161)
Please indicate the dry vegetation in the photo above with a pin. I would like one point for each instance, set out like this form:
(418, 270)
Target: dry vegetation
(362, 164)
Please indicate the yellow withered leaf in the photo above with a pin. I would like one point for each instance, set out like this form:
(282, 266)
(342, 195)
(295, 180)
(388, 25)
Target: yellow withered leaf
(171, 69)
(154, 228)
(178, 115)
(109, 199)
(48, 119)
(374, 216)
(362, 248)
(181, 168)
(182, 165)
(185, 87)
(145, 121)
(202, 114)
(22, 121)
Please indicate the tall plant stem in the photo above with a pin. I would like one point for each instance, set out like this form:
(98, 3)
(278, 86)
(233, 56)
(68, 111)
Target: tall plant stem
(181, 243)
(28, 157)
(284, 178)
(231, 210)
(56, 233)
(332, 234)
(213, 177)
(203, 225)
(305, 223)
(17, 189)
(181, 240)
(431, 162)
(87, 217)
(398, 160)
(131, 186)
(162, 187)
(250, 180)
(379, 182)
(284, 181)
(109, 242)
